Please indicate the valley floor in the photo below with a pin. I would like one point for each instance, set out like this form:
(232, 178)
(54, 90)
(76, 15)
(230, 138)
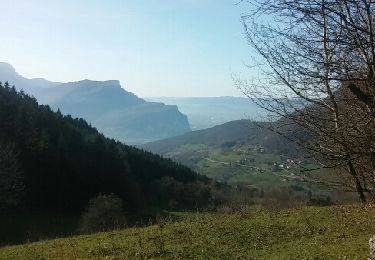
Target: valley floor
(337, 232)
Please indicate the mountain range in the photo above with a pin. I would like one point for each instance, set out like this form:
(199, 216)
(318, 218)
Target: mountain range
(115, 112)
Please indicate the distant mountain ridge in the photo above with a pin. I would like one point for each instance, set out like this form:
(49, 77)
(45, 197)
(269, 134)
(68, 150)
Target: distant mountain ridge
(206, 112)
(33, 86)
(114, 111)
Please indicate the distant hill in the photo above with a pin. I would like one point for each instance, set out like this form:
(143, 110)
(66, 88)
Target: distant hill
(53, 162)
(237, 152)
(236, 132)
(106, 105)
(205, 112)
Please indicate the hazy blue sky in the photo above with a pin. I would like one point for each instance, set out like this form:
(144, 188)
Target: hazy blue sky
(154, 47)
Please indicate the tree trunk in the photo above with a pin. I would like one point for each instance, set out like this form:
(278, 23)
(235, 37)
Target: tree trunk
(358, 185)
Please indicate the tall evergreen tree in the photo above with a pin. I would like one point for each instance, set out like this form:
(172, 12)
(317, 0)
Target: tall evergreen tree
(11, 178)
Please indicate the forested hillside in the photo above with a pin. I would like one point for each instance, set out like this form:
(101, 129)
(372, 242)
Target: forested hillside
(54, 162)
(114, 111)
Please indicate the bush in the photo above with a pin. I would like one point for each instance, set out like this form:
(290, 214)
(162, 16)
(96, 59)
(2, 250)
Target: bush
(104, 213)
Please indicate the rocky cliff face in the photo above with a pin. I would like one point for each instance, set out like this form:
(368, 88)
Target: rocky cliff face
(114, 111)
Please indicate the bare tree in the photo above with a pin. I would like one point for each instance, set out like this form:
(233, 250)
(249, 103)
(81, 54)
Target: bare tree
(316, 74)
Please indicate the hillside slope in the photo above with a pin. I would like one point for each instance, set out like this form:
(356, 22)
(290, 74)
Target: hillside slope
(112, 110)
(235, 132)
(237, 152)
(240, 130)
(63, 162)
(340, 232)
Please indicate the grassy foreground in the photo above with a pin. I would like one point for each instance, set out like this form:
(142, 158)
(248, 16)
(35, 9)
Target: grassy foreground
(339, 232)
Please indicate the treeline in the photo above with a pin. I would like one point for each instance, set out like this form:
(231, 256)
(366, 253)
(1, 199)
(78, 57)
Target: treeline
(55, 162)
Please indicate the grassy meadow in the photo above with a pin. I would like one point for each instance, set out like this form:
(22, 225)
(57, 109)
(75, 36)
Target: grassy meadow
(336, 232)
(240, 164)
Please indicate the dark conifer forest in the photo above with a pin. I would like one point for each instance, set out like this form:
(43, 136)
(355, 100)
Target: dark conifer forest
(59, 163)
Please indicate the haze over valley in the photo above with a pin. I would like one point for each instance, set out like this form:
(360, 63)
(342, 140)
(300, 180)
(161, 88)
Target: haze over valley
(206, 112)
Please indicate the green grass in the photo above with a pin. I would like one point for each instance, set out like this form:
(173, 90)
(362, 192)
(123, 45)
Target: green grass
(340, 232)
(225, 165)
(233, 165)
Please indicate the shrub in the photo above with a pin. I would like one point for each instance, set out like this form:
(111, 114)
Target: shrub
(103, 213)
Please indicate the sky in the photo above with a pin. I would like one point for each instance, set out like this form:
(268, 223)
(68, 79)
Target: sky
(154, 47)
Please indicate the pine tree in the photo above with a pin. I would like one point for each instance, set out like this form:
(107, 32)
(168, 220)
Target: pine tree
(11, 177)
